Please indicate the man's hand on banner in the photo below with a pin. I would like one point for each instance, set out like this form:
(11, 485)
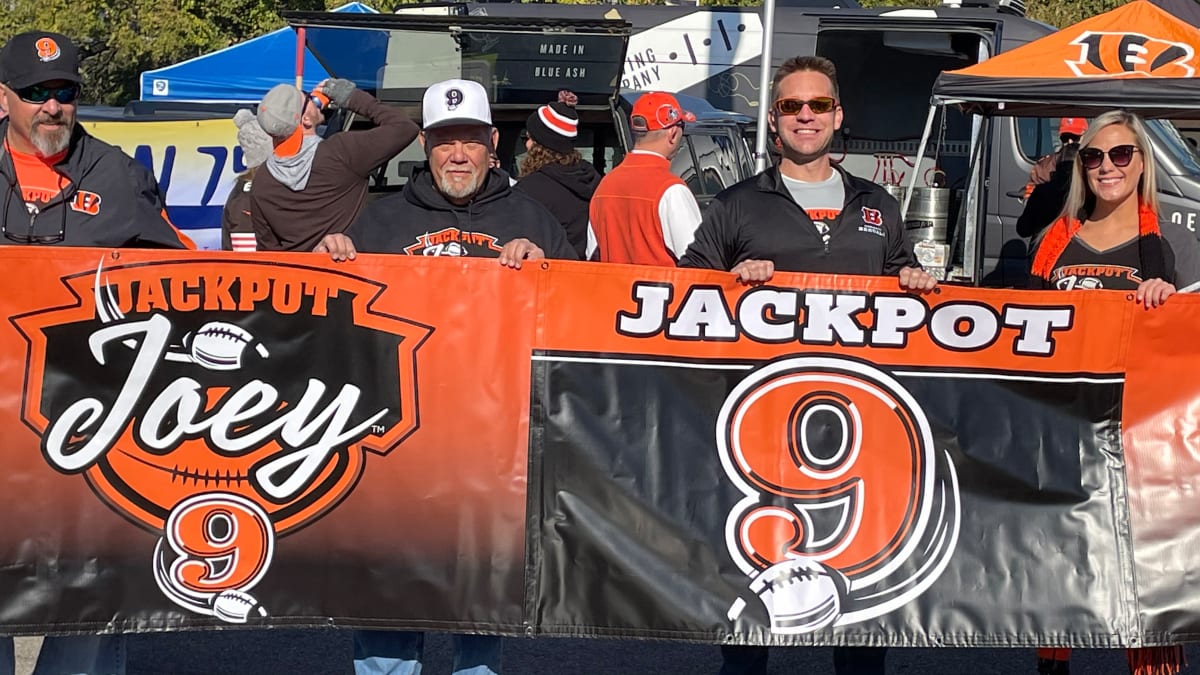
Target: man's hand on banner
(917, 279)
(338, 246)
(754, 271)
(518, 250)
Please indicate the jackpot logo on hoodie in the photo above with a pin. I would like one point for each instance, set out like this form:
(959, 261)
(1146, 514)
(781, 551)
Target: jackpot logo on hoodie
(452, 241)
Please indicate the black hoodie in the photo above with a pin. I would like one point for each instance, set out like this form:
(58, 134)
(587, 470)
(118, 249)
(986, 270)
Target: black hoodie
(420, 221)
(112, 201)
(566, 191)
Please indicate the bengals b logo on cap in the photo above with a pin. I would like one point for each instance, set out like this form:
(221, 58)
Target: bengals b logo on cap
(47, 49)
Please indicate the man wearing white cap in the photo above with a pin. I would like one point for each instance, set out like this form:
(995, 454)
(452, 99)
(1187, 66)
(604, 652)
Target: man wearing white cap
(457, 205)
(313, 187)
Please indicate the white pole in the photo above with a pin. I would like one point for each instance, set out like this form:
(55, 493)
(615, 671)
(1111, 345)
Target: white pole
(912, 184)
(764, 86)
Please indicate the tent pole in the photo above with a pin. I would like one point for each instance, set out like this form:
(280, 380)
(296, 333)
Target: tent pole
(972, 194)
(764, 86)
(920, 155)
(300, 57)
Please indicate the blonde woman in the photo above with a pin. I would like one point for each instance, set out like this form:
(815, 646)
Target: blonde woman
(1109, 236)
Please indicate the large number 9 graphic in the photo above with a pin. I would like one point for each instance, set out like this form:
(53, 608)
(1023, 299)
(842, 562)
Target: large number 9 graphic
(838, 466)
(214, 543)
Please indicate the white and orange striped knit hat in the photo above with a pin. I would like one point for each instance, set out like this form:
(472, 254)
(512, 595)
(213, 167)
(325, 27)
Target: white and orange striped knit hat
(555, 125)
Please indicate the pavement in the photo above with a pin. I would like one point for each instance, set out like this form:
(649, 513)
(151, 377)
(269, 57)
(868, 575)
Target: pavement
(328, 652)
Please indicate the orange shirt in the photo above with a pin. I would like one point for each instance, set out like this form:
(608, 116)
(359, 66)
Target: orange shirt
(39, 180)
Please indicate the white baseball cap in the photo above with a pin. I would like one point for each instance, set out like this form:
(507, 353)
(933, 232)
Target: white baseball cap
(455, 102)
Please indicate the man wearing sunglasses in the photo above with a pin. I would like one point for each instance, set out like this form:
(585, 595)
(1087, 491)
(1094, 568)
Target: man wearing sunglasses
(61, 185)
(641, 213)
(1050, 179)
(64, 187)
(805, 215)
(314, 187)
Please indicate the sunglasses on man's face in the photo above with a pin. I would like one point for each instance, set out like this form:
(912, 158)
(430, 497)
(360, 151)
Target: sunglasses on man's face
(1121, 156)
(40, 93)
(792, 106)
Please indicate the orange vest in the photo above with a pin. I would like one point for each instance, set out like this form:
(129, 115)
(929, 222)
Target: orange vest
(624, 211)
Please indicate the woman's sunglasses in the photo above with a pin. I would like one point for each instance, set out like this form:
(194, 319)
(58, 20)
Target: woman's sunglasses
(39, 93)
(792, 106)
(1121, 156)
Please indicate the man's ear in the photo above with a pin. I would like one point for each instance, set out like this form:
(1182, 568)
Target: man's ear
(495, 139)
(421, 138)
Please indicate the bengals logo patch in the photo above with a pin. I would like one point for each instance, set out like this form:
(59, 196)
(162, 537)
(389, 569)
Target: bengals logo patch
(47, 49)
(1130, 55)
(217, 413)
(872, 216)
(86, 202)
(850, 509)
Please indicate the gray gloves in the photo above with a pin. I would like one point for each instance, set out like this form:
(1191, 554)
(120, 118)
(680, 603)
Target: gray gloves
(338, 91)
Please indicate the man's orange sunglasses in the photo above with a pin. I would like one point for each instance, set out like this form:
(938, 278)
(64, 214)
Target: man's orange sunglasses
(792, 106)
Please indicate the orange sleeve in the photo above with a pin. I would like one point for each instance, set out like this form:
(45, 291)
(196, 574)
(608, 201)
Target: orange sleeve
(187, 241)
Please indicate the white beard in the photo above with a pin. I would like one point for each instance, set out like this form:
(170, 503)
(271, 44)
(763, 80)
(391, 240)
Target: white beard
(460, 190)
(50, 142)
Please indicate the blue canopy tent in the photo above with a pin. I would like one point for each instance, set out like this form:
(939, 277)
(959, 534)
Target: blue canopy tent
(240, 73)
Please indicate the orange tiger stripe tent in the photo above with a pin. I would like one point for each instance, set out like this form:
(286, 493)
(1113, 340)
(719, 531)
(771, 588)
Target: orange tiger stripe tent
(1141, 56)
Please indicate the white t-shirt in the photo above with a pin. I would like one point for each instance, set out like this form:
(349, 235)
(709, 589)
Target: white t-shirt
(822, 200)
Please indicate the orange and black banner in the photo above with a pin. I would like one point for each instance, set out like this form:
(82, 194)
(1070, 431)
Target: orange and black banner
(580, 449)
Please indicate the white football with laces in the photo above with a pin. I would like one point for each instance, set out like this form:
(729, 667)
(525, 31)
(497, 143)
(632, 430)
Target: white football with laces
(236, 606)
(220, 345)
(801, 596)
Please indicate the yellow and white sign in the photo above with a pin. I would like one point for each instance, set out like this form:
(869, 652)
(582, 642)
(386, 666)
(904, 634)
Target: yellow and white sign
(195, 163)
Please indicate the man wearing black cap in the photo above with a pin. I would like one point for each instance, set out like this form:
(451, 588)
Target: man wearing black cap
(554, 173)
(62, 186)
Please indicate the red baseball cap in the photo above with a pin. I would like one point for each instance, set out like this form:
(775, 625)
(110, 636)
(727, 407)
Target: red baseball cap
(1072, 125)
(657, 110)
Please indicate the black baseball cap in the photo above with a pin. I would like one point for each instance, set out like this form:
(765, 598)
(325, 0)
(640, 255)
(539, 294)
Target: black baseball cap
(39, 56)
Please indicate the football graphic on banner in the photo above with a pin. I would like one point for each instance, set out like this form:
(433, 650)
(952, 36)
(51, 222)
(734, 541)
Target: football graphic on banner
(220, 345)
(197, 425)
(862, 513)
